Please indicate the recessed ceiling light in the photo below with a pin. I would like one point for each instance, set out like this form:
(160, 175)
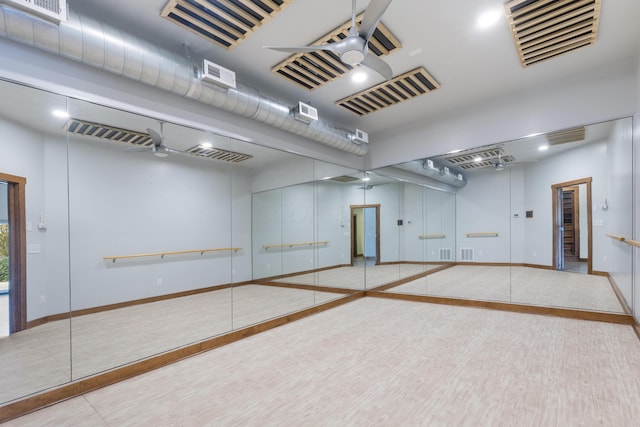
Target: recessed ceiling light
(60, 113)
(477, 159)
(359, 77)
(487, 19)
(543, 147)
(366, 178)
(206, 145)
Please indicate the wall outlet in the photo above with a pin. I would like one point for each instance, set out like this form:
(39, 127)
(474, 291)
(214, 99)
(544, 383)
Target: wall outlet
(159, 281)
(43, 299)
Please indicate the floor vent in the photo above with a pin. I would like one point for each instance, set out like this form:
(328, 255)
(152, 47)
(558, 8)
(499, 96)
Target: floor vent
(466, 254)
(445, 254)
(566, 136)
(219, 154)
(544, 29)
(111, 133)
(402, 88)
(312, 70)
(225, 23)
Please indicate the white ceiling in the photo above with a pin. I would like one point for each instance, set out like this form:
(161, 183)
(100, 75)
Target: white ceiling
(470, 64)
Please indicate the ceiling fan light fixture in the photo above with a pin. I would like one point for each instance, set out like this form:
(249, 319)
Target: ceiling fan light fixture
(352, 57)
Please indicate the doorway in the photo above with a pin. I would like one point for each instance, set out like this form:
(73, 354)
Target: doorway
(572, 243)
(365, 234)
(14, 226)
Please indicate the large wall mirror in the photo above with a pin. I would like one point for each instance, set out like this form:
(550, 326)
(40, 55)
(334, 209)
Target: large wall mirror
(126, 236)
(538, 220)
(142, 236)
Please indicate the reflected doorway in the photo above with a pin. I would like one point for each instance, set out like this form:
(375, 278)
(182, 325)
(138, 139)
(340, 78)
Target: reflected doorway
(572, 243)
(365, 234)
(16, 252)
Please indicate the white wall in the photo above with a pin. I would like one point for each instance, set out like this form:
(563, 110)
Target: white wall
(131, 203)
(40, 160)
(636, 189)
(483, 205)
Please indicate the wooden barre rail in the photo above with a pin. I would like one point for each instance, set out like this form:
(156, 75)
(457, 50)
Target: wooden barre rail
(616, 237)
(291, 245)
(431, 236)
(624, 240)
(162, 254)
(487, 234)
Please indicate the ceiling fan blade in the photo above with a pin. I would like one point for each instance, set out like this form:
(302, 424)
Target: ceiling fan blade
(378, 65)
(155, 137)
(372, 16)
(300, 49)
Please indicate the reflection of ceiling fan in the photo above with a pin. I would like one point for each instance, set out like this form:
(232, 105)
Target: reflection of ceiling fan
(353, 49)
(499, 164)
(158, 148)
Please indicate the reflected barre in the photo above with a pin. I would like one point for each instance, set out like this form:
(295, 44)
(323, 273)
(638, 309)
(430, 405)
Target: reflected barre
(431, 236)
(485, 234)
(162, 254)
(616, 237)
(293, 245)
(624, 240)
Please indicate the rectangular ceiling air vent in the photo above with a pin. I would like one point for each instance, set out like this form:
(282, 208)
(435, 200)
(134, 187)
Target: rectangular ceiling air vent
(225, 23)
(344, 178)
(312, 70)
(566, 136)
(544, 29)
(402, 88)
(111, 133)
(474, 159)
(52, 10)
(219, 154)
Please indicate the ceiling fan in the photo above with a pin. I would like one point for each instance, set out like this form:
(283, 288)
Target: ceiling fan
(499, 164)
(354, 49)
(158, 148)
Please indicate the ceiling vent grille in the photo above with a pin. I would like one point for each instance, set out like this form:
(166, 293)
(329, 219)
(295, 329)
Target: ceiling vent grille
(218, 154)
(344, 178)
(312, 70)
(111, 133)
(473, 160)
(543, 29)
(566, 136)
(399, 89)
(226, 22)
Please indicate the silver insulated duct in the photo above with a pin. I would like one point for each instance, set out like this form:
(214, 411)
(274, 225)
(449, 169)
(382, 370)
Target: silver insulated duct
(93, 43)
(435, 170)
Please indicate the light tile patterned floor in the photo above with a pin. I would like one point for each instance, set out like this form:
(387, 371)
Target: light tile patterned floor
(388, 363)
(521, 285)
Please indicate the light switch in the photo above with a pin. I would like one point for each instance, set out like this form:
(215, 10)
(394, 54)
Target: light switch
(33, 248)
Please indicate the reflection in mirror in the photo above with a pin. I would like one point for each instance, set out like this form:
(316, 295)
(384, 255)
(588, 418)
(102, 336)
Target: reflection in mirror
(534, 219)
(35, 343)
(302, 232)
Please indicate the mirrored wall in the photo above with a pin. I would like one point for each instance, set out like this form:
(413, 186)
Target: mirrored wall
(538, 220)
(142, 236)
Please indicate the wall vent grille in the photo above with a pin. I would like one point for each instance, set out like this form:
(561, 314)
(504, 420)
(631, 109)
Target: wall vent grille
(466, 254)
(218, 154)
(402, 88)
(312, 70)
(225, 23)
(344, 178)
(544, 29)
(445, 254)
(111, 133)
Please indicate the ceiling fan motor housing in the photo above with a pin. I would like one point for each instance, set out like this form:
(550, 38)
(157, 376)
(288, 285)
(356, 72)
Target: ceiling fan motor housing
(354, 50)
